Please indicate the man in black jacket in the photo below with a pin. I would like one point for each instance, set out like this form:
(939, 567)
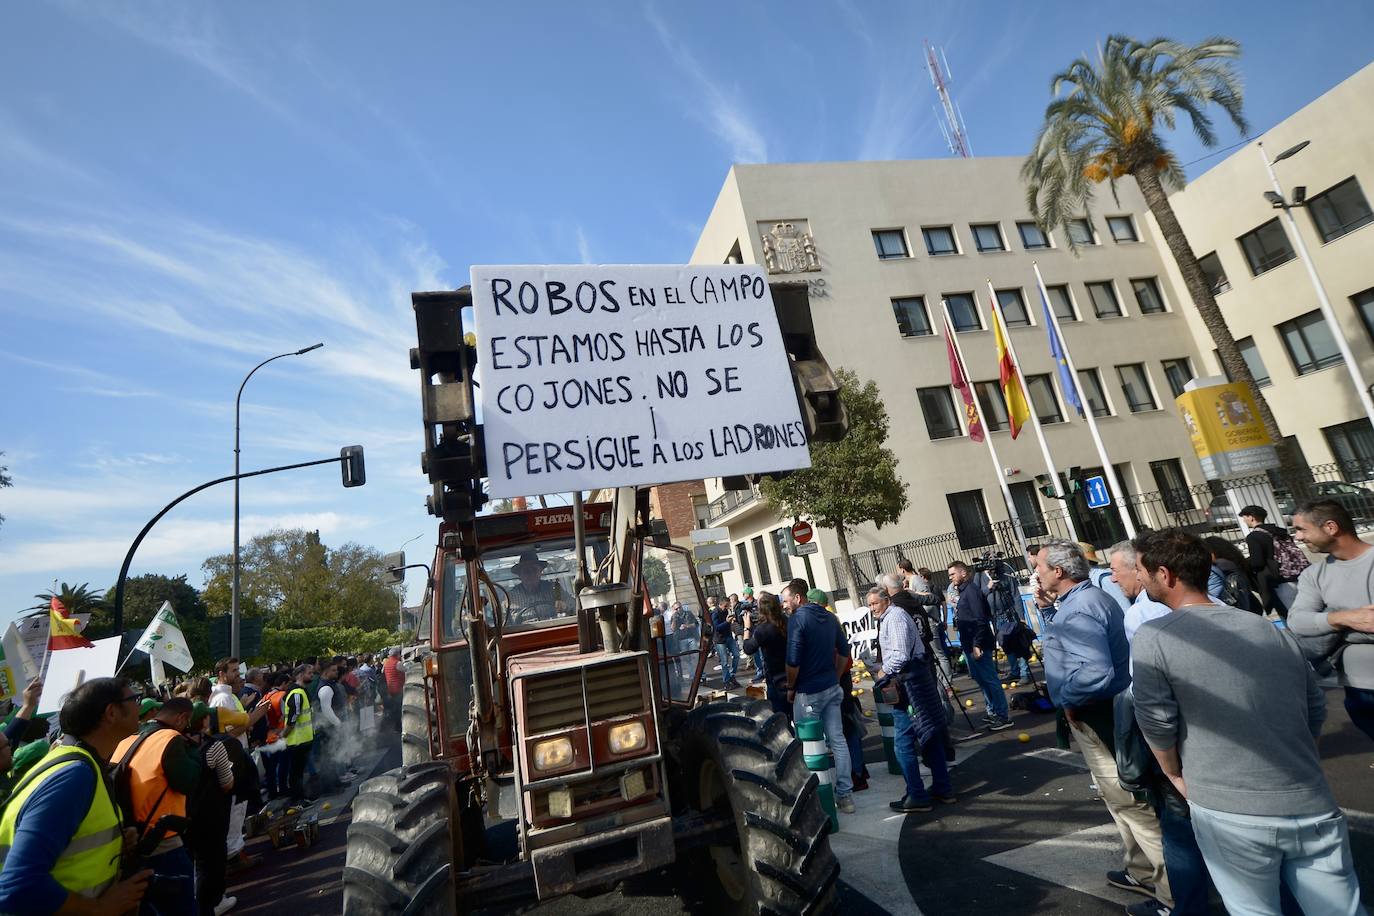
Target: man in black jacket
(973, 618)
(1261, 545)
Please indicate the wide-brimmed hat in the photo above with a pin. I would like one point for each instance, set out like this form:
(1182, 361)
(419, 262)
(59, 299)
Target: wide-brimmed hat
(527, 559)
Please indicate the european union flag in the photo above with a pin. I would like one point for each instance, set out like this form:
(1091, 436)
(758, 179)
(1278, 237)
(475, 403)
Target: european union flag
(1066, 379)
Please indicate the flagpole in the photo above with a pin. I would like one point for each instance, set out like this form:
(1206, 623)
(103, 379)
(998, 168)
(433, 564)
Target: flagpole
(987, 433)
(1118, 494)
(1001, 316)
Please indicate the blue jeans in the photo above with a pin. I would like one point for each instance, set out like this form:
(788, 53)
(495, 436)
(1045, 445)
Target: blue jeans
(172, 891)
(932, 753)
(760, 670)
(984, 673)
(826, 707)
(1183, 862)
(1359, 705)
(1248, 856)
(727, 659)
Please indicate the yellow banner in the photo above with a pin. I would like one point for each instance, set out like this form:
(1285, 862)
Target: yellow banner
(1221, 419)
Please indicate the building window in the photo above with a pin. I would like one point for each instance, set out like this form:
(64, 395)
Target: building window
(1364, 304)
(940, 240)
(1090, 383)
(1027, 504)
(1043, 399)
(1122, 229)
(912, 318)
(1103, 296)
(937, 405)
(970, 514)
(1135, 384)
(988, 237)
(1179, 372)
(1309, 342)
(991, 405)
(1173, 486)
(963, 311)
(1352, 444)
(891, 243)
(1250, 353)
(1147, 295)
(1032, 237)
(1266, 247)
(746, 573)
(1013, 308)
(1339, 210)
(1215, 273)
(782, 539)
(1081, 232)
(761, 557)
(1062, 303)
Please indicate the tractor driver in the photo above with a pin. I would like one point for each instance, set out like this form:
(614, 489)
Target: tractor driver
(543, 597)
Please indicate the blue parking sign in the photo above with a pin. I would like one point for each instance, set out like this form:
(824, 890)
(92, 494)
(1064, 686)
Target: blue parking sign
(1096, 489)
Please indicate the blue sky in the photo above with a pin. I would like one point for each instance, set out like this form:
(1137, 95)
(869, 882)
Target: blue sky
(186, 189)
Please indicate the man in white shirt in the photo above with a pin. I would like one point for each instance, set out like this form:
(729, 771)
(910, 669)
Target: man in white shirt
(224, 695)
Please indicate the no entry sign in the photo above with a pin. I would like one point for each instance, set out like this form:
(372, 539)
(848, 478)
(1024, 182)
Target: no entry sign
(802, 532)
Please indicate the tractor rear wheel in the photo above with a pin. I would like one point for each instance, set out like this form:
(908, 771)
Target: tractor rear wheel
(400, 850)
(740, 759)
(414, 717)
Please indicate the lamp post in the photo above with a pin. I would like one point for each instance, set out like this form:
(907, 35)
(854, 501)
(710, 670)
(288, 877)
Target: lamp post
(1276, 198)
(401, 586)
(234, 587)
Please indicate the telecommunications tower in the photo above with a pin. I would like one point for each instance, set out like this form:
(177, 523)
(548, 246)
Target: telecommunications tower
(950, 117)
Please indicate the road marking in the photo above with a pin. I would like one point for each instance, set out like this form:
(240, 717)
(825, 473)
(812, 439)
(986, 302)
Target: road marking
(1078, 861)
(1056, 755)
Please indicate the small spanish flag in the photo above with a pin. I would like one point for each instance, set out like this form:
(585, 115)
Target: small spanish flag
(62, 633)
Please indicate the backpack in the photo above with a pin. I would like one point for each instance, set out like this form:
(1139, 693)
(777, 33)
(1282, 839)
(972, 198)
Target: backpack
(1291, 560)
(1234, 593)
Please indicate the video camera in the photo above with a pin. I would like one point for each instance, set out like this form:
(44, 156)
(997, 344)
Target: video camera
(989, 562)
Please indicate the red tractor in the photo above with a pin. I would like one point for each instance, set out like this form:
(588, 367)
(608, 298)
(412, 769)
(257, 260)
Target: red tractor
(545, 693)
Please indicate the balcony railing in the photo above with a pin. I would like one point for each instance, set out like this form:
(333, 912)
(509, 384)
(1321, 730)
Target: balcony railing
(729, 501)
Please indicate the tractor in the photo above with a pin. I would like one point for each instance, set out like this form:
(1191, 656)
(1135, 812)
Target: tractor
(546, 694)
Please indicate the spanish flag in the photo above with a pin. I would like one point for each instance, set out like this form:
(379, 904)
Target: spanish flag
(1013, 392)
(62, 633)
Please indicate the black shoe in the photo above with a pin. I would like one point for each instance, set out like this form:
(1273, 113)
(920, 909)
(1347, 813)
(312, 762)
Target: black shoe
(732, 683)
(996, 724)
(944, 799)
(905, 805)
(1148, 908)
(1123, 880)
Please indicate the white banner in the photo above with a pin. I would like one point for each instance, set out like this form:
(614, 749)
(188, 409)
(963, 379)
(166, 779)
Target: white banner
(163, 640)
(861, 630)
(612, 375)
(70, 668)
(17, 667)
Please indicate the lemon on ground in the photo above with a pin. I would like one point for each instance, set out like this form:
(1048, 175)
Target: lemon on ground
(968, 703)
(1023, 738)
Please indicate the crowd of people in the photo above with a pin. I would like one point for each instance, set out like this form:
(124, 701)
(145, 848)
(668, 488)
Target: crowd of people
(136, 797)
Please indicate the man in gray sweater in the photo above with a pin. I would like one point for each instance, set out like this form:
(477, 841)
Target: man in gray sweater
(1334, 598)
(1232, 711)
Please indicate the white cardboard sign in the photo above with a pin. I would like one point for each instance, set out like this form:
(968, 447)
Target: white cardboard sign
(70, 668)
(611, 375)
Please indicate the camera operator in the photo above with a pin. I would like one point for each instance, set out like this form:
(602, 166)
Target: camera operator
(1000, 584)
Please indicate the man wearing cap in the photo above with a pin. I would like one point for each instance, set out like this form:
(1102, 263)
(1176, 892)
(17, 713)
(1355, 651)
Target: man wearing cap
(545, 599)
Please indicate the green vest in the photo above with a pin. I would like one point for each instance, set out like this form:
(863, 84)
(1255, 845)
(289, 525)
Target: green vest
(302, 732)
(90, 863)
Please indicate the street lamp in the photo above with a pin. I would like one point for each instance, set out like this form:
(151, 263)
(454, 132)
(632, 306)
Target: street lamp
(234, 593)
(1276, 198)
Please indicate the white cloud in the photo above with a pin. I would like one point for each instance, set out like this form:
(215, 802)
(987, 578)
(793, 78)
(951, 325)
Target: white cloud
(719, 106)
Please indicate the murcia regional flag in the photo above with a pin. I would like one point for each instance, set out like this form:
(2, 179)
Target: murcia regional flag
(163, 640)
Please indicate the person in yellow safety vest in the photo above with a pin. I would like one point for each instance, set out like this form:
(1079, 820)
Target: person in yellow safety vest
(299, 733)
(62, 837)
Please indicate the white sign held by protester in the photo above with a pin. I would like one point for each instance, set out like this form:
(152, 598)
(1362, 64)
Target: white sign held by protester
(163, 641)
(17, 667)
(611, 375)
(70, 668)
(860, 629)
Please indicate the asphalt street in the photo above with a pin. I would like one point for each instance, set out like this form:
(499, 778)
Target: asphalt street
(1028, 835)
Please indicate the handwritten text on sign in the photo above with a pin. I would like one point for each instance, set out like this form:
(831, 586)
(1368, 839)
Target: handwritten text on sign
(597, 376)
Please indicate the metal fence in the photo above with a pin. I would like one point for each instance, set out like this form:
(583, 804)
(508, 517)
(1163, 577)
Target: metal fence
(1203, 509)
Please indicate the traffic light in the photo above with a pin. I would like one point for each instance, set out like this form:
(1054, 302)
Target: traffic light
(454, 459)
(1046, 486)
(351, 466)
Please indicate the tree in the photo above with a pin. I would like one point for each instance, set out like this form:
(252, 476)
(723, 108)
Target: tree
(1104, 123)
(77, 599)
(5, 481)
(850, 482)
(656, 577)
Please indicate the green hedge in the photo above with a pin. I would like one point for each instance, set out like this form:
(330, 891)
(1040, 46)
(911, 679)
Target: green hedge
(289, 645)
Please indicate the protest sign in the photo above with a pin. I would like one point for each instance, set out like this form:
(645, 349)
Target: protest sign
(604, 376)
(17, 666)
(861, 630)
(70, 668)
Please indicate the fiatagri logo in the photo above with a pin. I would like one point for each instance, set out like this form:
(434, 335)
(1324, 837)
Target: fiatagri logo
(562, 519)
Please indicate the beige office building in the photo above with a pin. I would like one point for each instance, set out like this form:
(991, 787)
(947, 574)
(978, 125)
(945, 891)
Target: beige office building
(1262, 286)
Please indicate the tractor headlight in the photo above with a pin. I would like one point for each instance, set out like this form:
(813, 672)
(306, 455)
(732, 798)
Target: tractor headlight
(553, 754)
(626, 737)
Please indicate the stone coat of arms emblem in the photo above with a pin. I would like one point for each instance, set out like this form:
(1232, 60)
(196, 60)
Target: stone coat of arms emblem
(788, 251)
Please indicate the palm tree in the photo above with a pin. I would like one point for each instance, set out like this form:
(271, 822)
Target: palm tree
(77, 599)
(1104, 123)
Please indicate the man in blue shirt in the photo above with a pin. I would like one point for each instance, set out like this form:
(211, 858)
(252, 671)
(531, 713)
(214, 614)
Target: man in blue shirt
(1087, 663)
(973, 619)
(817, 652)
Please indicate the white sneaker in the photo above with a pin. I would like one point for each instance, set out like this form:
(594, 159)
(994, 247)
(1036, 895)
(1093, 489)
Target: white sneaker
(225, 905)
